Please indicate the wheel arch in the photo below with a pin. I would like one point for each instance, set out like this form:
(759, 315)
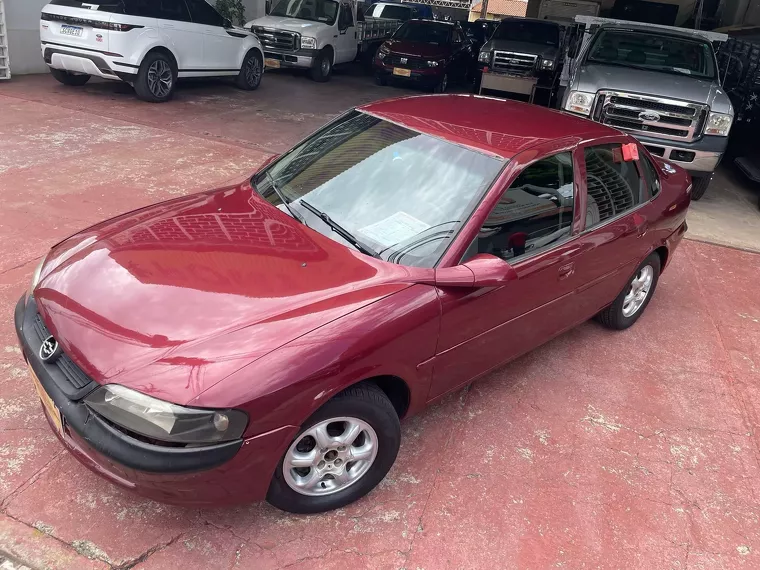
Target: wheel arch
(664, 254)
(165, 51)
(395, 388)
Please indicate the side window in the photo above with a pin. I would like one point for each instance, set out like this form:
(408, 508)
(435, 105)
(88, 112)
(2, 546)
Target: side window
(650, 175)
(534, 213)
(457, 37)
(141, 8)
(614, 185)
(346, 19)
(171, 10)
(203, 13)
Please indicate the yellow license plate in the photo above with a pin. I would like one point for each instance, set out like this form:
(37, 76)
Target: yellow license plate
(273, 63)
(50, 407)
(402, 72)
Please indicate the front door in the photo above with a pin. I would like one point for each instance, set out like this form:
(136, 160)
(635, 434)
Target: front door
(222, 48)
(531, 227)
(345, 43)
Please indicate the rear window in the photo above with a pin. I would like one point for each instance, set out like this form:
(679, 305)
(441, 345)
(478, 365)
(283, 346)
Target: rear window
(116, 6)
(392, 12)
(424, 32)
(527, 31)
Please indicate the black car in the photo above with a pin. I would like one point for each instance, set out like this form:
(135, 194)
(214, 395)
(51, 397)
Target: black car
(479, 31)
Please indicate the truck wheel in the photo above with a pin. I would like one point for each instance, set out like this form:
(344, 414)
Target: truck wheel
(156, 78)
(322, 67)
(250, 74)
(69, 78)
(699, 186)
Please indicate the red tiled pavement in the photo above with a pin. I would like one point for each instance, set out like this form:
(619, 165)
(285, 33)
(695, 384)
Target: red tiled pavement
(598, 450)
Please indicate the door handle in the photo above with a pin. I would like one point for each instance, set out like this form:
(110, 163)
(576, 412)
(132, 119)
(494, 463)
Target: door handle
(169, 26)
(643, 229)
(566, 270)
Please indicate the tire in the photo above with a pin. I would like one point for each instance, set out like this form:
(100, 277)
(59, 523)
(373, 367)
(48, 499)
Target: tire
(156, 78)
(699, 186)
(616, 316)
(442, 85)
(251, 72)
(380, 80)
(71, 79)
(322, 69)
(360, 405)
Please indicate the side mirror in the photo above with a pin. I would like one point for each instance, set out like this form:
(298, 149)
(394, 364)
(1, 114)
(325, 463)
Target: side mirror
(483, 270)
(227, 23)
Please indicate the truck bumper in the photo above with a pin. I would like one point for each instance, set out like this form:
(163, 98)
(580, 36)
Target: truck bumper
(699, 158)
(302, 58)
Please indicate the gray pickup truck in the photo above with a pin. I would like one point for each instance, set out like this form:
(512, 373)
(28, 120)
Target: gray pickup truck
(659, 83)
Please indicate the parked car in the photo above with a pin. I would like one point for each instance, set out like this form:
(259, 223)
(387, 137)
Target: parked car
(479, 32)
(146, 44)
(264, 340)
(428, 53)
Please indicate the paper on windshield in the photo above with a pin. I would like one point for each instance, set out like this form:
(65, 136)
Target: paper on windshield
(394, 229)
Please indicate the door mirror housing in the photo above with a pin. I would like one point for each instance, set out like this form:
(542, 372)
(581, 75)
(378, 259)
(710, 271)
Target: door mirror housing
(483, 270)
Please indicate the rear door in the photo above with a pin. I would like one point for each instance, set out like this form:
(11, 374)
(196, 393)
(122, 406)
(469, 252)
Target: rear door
(222, 48)
(177, 30)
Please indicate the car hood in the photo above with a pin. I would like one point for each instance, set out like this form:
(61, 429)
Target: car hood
(541, 50)
(417, 49)
(285, 23)
(592, 78)
(173, 298)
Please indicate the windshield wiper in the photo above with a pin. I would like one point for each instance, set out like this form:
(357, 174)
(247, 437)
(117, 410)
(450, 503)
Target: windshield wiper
(281, 196)
(338, 229)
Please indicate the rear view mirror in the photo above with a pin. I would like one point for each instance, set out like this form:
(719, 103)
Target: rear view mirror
(483, 270)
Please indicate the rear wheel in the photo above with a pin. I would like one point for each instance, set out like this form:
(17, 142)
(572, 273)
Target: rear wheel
(156, 78)
(699, 186)
(322, 69)
(341, 453)
(250, 74)
(72, 79)
(635, 296)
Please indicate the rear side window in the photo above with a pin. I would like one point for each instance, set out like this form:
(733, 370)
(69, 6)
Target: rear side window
(169, 9)
(614, 185)
(535, 213)
(115, 6)
(650, 174)
(203, 13)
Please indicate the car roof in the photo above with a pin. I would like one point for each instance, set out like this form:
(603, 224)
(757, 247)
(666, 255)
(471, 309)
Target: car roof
(660, 31)
(531, 20)
(496, 126)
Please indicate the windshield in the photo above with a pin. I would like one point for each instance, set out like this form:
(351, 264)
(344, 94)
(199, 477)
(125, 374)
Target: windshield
(424, 32)
(314, 10)
(679, 56)
(527, 31)
(401, 194)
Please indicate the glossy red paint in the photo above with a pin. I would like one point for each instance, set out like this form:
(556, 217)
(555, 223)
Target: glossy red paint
(222, 300)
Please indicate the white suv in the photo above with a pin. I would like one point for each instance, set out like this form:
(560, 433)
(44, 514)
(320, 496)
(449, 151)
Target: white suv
(147, 43)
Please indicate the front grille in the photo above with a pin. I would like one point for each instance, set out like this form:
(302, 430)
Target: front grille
(71, 371)
(277, 39)
(514, 63)
(406, 62)
(677, 120)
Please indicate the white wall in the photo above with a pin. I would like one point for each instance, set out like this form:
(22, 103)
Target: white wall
(254, 9)
(23, 20)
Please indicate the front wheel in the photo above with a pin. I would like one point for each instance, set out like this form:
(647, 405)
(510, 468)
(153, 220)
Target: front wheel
(635, 296)
(70, 79)
(250, 74)
(341, 453)
(699, 186)
(156, 78)
(322, 69)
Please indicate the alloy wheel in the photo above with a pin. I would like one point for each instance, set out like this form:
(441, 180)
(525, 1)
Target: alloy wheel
(330, 456)
(253, 71)
(639, 291)
(160, 78)
(326, 66)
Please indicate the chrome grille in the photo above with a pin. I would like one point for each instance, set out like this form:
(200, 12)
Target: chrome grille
(71, 371)
(406, 61)
(670, 119)
(513, 62)
(277, 39)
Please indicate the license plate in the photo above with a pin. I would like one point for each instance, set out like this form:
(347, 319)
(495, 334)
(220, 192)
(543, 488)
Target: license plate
(402, 72)
(71, 30)
(47, 402)
(273, 63)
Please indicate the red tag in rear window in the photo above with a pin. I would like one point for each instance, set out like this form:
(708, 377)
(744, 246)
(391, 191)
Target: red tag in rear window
(630, 152)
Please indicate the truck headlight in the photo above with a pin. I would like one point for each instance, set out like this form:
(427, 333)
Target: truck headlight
(157, 419)
(718, 124)
(547, 64)
(484, 57)
(580, 102)
(36, 275)
(308, 43)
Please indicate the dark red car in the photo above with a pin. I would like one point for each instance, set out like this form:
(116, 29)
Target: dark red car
(264, 340)
(427, 53)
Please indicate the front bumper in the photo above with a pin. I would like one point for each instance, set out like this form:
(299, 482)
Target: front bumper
(226, 473)
(707, 152)
(428, 77)
(302, 58)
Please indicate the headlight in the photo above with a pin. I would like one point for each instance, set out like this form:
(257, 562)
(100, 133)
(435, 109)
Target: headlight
(164, 421)
(382, 52)
(308, 43)
(580, 102)
(484, 56)
(36, 275)
(432, 64)
(718, 124)
(547, 64)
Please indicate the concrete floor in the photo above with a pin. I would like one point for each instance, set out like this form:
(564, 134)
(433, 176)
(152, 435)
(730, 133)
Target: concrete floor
(599, 450)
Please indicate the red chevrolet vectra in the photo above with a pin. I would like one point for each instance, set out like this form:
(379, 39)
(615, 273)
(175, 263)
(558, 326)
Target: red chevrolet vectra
(264, 340)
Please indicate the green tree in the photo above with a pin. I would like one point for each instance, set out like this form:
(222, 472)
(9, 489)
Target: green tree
(233, 10)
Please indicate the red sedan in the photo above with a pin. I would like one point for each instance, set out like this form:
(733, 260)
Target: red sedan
(263, 341)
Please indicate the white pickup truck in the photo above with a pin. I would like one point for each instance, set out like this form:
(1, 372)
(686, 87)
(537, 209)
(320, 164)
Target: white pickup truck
(318, 34)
